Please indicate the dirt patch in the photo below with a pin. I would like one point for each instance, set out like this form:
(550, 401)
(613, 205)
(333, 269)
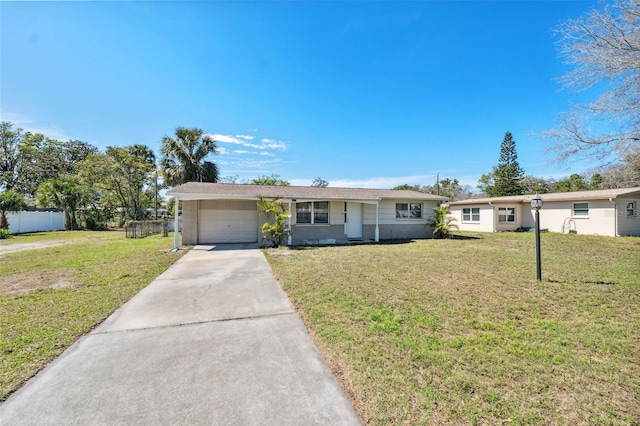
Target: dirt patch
(25, 282)
(8, 248)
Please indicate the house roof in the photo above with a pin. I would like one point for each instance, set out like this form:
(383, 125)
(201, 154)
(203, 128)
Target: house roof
(603, 194)
(206, 190)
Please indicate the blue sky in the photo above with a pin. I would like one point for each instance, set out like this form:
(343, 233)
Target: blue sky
(362, 94)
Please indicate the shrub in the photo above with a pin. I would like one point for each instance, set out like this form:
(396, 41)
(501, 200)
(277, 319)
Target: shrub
(4, 234)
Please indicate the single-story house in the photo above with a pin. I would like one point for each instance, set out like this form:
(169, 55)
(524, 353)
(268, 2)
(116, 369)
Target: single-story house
(228, 213)
(610, 212)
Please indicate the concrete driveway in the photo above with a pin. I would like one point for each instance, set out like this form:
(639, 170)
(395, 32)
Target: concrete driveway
(213, 340)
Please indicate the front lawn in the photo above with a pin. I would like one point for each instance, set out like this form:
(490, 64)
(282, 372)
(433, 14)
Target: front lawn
(51, 296)
(460, 332)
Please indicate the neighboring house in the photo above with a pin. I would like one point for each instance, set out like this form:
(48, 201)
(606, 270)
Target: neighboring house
(228, 213)
(611, 212)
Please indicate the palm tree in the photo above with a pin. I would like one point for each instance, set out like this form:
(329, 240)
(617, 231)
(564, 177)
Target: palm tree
(442, 223)
(183, 157)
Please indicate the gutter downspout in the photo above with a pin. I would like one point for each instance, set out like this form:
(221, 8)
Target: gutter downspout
(175, 225)
(493, 216)
(289, 219)
(377, 233)
(615, 217)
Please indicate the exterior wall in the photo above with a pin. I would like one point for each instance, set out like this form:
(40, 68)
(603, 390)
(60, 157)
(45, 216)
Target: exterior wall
(312, 234)
(387, 213)
(336, 212)
(508, 226)
(601, 219)
(395, 231)
(20, 222)
(389, 226)
(486, 223)
(627, 225)
(190, 222)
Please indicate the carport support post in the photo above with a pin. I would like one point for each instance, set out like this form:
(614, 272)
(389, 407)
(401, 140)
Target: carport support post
(175, 224)
(377, 234)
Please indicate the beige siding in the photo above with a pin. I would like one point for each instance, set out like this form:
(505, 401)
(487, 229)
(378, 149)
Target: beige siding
(336, 212)
(486, 223)
(190, 222)
(387, 213)
(508, 226)
(601, 219)
(628, 225)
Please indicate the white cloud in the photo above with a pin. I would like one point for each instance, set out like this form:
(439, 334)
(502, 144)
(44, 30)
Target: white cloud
(273, 144)
(28, 125)
(243, 140)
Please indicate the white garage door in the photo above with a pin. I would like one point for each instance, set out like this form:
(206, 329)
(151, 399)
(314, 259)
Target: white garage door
(227, 221)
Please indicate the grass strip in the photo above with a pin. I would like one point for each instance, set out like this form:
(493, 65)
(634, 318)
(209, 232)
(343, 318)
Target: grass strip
(51, 296)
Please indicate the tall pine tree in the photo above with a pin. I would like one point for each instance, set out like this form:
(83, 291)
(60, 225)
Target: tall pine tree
(507, 176)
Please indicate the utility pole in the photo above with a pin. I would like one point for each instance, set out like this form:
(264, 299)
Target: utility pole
(438, 182)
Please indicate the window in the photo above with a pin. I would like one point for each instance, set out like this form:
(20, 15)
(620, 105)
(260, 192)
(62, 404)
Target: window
(632, 211)
(581, 209)
(506, 214)
(471, 214)
(312, 212)
(408, 210)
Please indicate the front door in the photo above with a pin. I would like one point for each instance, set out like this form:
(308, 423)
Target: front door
(353, 220)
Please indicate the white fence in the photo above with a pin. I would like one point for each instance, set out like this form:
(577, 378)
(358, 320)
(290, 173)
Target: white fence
(21, 222)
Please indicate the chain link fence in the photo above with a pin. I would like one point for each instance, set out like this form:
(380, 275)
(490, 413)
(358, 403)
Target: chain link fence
(144, 228)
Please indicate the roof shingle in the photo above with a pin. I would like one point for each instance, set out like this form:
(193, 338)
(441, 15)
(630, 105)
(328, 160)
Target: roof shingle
(204, 190)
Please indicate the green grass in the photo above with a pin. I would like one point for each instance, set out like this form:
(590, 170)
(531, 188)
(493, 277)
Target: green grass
(36, 237)
(460, 332)
(51, 296)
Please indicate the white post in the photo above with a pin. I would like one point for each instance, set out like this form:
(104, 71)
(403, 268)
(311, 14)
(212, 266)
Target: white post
(377, 234)
(289, 219)
(175, 224)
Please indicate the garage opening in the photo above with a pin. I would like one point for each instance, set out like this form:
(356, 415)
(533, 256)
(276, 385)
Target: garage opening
(227, 221)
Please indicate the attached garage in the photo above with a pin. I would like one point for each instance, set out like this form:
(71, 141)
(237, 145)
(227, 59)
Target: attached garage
(227, 221)
(216, 213)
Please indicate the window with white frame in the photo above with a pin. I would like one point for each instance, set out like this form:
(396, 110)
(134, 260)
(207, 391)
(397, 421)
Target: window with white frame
(632, 210)
(316, 212)
(471, 214)
(409, 210)
(506, 214)
(580, 209)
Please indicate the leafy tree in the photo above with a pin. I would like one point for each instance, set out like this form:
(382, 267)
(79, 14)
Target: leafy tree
(120, 180)
(449, 188)
(320, 183)
(535, 185)
(442, 223)
(507, 175)
(64, 193)
(273, 180)
(184, 157)
(603, 47)
(42, 158)
(10, 139)
(275, 229)
(10, 201)
(408, 187)
(573, 183)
